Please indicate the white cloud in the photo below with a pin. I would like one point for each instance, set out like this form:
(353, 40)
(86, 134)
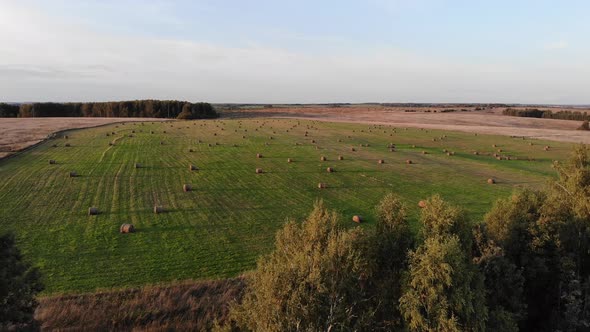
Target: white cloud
(43, 59)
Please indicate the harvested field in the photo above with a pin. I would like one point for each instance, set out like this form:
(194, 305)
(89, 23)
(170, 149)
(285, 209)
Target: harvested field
(229, 218)
(19, 133)
(490, 121)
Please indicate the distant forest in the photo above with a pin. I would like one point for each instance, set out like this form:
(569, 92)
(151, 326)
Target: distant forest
(537, 113)
(136, 108)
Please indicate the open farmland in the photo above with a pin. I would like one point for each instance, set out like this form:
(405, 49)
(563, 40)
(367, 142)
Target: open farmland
(230, 217)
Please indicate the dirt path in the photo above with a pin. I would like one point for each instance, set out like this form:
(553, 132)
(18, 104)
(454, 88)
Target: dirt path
(19, 133)
(485, 122)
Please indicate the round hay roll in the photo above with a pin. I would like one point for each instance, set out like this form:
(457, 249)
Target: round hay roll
(414, 146)
(494, 146)
(424, 152)
(191, 150)
(164, 131)
(158, 209)
(340, 158)
(66, 136)
(73, 174)
(92, 211)
(381, 161)
(187, 187)
(330, 170)
(289, 160)
(51, 162)
(111, 143)
(357, 219)
(259, 171)
(445, 150)
(322, 185)
(476, 153)
(54, 145)
(133, 131)
(491, 181)
(108, 134)
(499, 150)
(151, 132)
(258, 155)
(313, 141)
(209, 145)
(193, 168)
(270, 137)
(137, 165)
(67, 145)
(130, 135)
(352, 149)
(161, 142)
(113, 133)
(422, 204)
(126, 228)
(546, 148)
(322, 158)
(408, 161)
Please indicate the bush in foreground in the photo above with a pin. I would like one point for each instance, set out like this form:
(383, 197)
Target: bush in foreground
(19, 284)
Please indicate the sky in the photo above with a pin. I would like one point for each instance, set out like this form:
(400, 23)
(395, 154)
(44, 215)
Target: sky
(304, 51)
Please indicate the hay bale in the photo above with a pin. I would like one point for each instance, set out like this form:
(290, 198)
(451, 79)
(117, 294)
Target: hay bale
(161, 142)
(158, 209)
(193, 168)
(289, 160)
(352, 149)
(476, 153)
(330, 170)
(357, 219)
(92, 211)
(258, 155)
(381, 161)
(259, 171)
(322, 185)
(491, 181)
(340, 158)
(494, 146)
(73, 174)
(408, 161)
(66, 136)
(187, 187)
(67, 145)
(191, 150)
(445, 150)
(108, 134)
(546, 148)
(499, 150)
(126, 228)
(51, 162)
(111, 143)
(422, 204)
(137, 165)
(322, 158)
(424, 152)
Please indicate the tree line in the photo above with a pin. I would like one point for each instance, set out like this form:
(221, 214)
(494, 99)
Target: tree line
(525, 267)
(135, 108)
(547, 114)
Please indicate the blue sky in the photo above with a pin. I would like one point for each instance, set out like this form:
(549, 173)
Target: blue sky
(296, 51)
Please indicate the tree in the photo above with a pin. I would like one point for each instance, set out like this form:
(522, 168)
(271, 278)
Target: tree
(390, 244)
(19, 284)
(444, 291)
(312, 281)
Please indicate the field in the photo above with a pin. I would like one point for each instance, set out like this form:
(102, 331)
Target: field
(219, 228)
(19, 133)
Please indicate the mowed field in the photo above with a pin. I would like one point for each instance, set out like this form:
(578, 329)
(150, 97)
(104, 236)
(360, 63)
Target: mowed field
(230, 218)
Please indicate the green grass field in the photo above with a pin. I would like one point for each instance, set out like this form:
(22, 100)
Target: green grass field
(230, 218)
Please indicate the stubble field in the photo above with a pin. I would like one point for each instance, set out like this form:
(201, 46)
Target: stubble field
(230, 217)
